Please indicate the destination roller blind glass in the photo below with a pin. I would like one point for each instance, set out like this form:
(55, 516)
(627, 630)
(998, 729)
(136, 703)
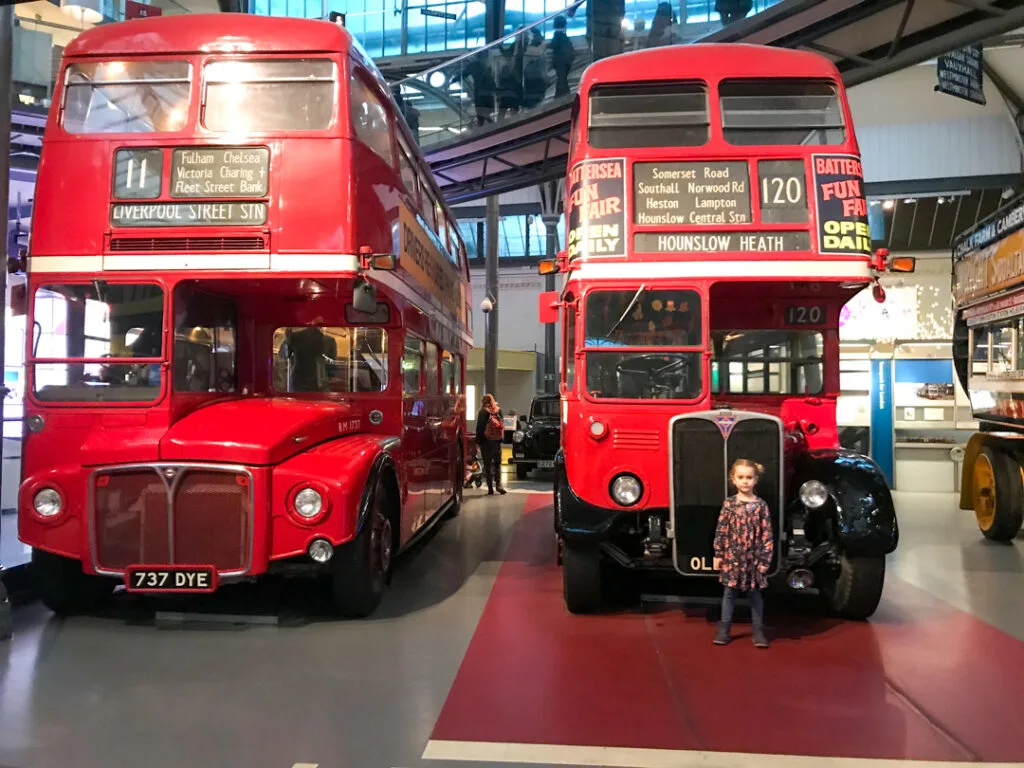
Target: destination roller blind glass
(781, 112)
(649, 115)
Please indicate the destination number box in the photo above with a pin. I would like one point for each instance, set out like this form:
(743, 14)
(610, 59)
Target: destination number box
(236, 214)
(219, 172)
(676, 194)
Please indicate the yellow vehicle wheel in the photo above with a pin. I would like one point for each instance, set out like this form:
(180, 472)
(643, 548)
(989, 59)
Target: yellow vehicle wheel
(998, 494)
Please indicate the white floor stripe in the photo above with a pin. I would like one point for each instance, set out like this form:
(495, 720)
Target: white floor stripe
(306, 765)
(624, 757)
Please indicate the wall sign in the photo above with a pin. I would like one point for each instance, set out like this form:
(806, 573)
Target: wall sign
(882, 418)
(691, 193)
(961, 73)
(597, 214)
(842, 208)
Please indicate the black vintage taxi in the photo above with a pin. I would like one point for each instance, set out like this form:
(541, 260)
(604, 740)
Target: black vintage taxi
(536, 440)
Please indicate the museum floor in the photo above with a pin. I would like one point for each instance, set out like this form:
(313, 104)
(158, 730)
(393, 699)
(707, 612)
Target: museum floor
(472, 660)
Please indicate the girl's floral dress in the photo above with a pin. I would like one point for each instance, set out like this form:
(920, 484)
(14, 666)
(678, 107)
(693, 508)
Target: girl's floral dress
(744, 541)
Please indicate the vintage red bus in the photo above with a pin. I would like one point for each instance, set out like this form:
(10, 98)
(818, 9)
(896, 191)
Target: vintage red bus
(716, 224)
(988, 331)
(251, 317)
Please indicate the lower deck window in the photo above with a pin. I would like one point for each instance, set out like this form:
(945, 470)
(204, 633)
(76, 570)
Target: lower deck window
(97, 326)
(330, 359)
(644, 376)
(767, 362)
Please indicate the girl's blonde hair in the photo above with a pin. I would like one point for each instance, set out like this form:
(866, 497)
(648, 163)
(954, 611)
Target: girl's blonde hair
(758, 468)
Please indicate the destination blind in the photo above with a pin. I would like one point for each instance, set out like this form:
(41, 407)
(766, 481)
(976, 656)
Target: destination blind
(234, 172)
(691, 193)
(188, 214)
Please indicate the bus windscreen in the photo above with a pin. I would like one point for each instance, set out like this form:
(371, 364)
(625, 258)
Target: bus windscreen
(126, 97)
(271, 95)
(781, 113)
(649, 115)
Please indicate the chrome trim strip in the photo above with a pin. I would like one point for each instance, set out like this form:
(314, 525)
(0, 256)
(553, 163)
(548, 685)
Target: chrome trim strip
(157, 468)
(710, 416)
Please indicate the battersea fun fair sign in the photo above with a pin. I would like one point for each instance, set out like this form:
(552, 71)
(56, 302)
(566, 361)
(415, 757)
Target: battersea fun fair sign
(842, 208)
(597, 214)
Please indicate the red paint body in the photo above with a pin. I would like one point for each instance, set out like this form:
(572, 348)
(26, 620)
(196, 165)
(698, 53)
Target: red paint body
(741, 289)
(331, 201)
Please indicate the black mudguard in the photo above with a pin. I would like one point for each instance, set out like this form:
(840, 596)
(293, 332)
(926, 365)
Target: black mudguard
(575, 519)
(861, 504)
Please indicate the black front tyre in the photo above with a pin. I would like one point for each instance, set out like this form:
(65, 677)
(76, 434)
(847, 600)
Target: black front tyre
(64, 588)
(581, 578)
(361, 567)
(522, 471)
(857, 590)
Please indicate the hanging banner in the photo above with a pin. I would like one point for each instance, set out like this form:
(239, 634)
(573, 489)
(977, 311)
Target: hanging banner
(842, 209)
(961, 73)
(596, 209)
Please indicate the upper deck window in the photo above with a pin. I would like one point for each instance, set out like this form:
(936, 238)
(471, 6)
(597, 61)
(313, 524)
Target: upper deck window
(781, 112)
(126, 96)
(649, 115)
(269, 95)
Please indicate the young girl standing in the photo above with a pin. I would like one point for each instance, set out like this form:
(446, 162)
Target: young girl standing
(743, 549)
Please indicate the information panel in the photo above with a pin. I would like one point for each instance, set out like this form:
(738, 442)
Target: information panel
(220, 172)
(691, 193)
(187, 214)
(721, 242)
(597, 216)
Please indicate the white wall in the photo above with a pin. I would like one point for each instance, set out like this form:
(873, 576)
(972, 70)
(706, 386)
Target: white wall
(908, 131)
(519, 327)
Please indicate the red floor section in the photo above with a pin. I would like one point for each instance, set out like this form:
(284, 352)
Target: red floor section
(920, 681)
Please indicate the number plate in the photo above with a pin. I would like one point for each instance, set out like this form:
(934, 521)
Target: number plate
(545, 464)
(177, 578)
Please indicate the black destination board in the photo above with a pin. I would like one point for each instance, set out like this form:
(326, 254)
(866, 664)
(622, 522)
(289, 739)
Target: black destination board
(691, 193)
(138, 173)
(721, 242)
(188, 214)
(220, 172)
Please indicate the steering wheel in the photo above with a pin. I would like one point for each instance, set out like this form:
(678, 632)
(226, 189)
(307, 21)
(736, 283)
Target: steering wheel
(653, 365)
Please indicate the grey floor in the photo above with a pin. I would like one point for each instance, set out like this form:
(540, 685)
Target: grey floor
(119, 690)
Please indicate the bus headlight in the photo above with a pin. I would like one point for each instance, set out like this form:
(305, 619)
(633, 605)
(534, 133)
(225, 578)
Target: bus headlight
(627, 490)
(813, 494)
(308, 503)
(47, 503)
(518, 436)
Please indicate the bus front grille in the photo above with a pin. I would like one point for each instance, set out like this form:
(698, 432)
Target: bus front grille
(703, 447)
(171, 515)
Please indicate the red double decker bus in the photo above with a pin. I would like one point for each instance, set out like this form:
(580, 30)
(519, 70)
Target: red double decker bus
(716, 225)
(251, 313)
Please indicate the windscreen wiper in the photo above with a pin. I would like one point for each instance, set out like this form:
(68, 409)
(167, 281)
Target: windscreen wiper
(632, 304)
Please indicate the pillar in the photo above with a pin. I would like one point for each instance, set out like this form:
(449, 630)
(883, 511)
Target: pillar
(6, 77)
(491, 292)
(551, 207)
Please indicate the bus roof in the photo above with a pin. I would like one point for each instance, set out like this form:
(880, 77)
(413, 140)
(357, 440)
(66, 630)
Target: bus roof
(210, 32)
(708, 61)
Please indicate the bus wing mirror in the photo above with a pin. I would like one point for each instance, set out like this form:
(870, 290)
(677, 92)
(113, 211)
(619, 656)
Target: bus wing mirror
(903, 264)
(549, 303)
(385, 261)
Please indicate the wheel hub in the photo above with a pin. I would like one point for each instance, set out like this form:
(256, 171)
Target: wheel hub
(984, 492)
(381, 542)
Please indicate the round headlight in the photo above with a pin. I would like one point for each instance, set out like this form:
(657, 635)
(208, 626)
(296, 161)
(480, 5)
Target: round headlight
(626, 490)
(518, 436)
(47, 502)
(597, 429)
(308, 503)
(813, 494)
